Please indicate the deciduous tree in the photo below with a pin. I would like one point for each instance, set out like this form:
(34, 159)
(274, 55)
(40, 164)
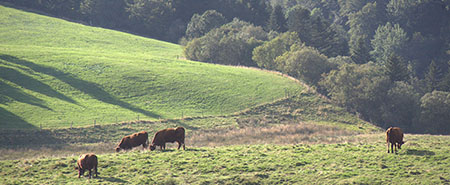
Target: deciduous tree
(265, 55)
(388, 40)
(202, 24)
(435, 115)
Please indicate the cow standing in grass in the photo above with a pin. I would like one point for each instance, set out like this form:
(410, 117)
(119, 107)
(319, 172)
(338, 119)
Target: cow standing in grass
(168, 135)
(394, 136)
(134, 140)
(87, 162)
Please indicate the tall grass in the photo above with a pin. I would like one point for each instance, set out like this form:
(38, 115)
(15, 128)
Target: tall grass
(55, 73)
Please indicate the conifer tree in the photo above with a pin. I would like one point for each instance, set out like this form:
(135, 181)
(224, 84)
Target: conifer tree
(395, 68)
(444, 85)
(432, 77)
(277, 20)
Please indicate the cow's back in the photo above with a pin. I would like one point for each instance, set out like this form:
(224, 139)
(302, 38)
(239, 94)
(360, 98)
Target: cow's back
(165, 135)
(162, 135)
(394, 135)
(126, 142)
(87, 161)
(139, 138)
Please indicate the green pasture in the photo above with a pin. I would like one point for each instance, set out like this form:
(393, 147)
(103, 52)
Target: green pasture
(55, 73)
(423, 160)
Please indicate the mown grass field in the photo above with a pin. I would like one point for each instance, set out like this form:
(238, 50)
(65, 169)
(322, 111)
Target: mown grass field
(54, 73)
(423, 160)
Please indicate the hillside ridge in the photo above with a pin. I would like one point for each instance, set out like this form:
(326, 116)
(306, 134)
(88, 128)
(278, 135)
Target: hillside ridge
(77, 75)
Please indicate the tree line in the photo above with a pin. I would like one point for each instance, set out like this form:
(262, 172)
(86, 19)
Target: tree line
(387, 61)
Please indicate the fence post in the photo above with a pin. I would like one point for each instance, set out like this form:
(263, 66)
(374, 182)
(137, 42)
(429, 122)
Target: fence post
(138, 117)
(94, 122)
(71, 125)
(182, 114)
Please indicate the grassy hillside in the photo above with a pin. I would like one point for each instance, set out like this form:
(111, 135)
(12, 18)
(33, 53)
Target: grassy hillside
(54, 73)
(423, 160)
(241, 127)
(304, 118)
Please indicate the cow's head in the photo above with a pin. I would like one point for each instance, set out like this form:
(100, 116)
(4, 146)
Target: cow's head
(152, 147)
(117, 149)
(400, 144)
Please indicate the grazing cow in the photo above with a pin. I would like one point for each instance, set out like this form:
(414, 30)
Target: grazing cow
(168, 135)
(394, 135)
(87, 162)
(134, 140)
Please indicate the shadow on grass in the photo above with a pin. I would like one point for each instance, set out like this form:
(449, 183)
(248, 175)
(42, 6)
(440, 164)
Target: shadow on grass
(86, 87)
(27, 82)
(21, 138)
(181, 149)
(8, 92)
(112, 179)
(195, 149)
(10, 120)
(418, 152)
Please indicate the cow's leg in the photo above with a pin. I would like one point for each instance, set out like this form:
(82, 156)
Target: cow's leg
(90, 173)
(182, 142)
(96, 172)
(80, 172)
(145, 144)
(392, 147)
(388, 146)
(179, 145)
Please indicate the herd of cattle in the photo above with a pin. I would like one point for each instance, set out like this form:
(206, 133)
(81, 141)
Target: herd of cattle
(89, 161)
(394, 137)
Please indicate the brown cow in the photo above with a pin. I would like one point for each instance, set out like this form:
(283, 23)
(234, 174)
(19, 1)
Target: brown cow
(394, 135)
(134, 140)
(87, 162)
(168, 135)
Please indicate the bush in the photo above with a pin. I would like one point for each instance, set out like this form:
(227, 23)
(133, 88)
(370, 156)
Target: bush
(305, 63)
(359, 88)
(231, 44)
(202, 24)
(264, 56)
(435, 115)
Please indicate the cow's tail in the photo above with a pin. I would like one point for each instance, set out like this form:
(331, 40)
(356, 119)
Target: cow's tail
(388, 134)
(145, 145)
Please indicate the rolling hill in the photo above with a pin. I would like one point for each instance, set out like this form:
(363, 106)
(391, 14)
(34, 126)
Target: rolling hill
(55, 73)
(244, 126)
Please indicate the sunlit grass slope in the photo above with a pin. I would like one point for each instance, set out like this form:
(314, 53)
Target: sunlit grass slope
(54, 72)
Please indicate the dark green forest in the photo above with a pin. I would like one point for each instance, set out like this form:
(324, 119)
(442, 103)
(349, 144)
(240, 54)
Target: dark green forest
(386, 61)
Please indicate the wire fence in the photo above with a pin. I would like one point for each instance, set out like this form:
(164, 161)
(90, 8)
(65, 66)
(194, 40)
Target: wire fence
(186, 113)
